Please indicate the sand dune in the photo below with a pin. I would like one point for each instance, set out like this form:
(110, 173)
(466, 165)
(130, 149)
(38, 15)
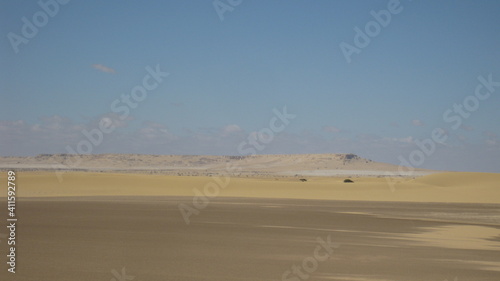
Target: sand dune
(462, 179)
(444, 187)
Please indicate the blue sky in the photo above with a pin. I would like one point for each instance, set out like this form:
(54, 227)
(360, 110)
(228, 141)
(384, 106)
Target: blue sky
(226, 77)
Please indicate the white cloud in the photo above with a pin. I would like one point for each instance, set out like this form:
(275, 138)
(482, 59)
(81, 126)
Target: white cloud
(417, 122)
(407, 140)
(114, 119)
(492, 139)
(490, 134)
(491, 142)
(152, 131)
(331, 129)
(103, 68)
(231, 129)
(467, 128)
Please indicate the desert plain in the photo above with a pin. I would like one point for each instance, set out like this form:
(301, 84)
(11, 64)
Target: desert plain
(264, 218)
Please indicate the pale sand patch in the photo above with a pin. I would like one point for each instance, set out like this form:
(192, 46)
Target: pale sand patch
(445, 187)
(483, 265)
(486, 265)
(469, 237)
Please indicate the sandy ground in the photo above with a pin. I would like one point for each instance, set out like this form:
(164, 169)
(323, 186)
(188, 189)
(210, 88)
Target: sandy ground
(95, 238)
(100, 226)
(444, 187)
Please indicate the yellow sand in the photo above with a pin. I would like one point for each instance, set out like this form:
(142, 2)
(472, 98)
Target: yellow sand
(443, 187)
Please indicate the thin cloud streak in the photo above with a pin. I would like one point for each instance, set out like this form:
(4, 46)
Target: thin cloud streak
(104, 68)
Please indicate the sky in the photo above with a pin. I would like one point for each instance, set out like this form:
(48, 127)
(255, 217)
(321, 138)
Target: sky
(403, 82)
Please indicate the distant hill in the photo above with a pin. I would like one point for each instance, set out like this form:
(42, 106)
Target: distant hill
(192, 165)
